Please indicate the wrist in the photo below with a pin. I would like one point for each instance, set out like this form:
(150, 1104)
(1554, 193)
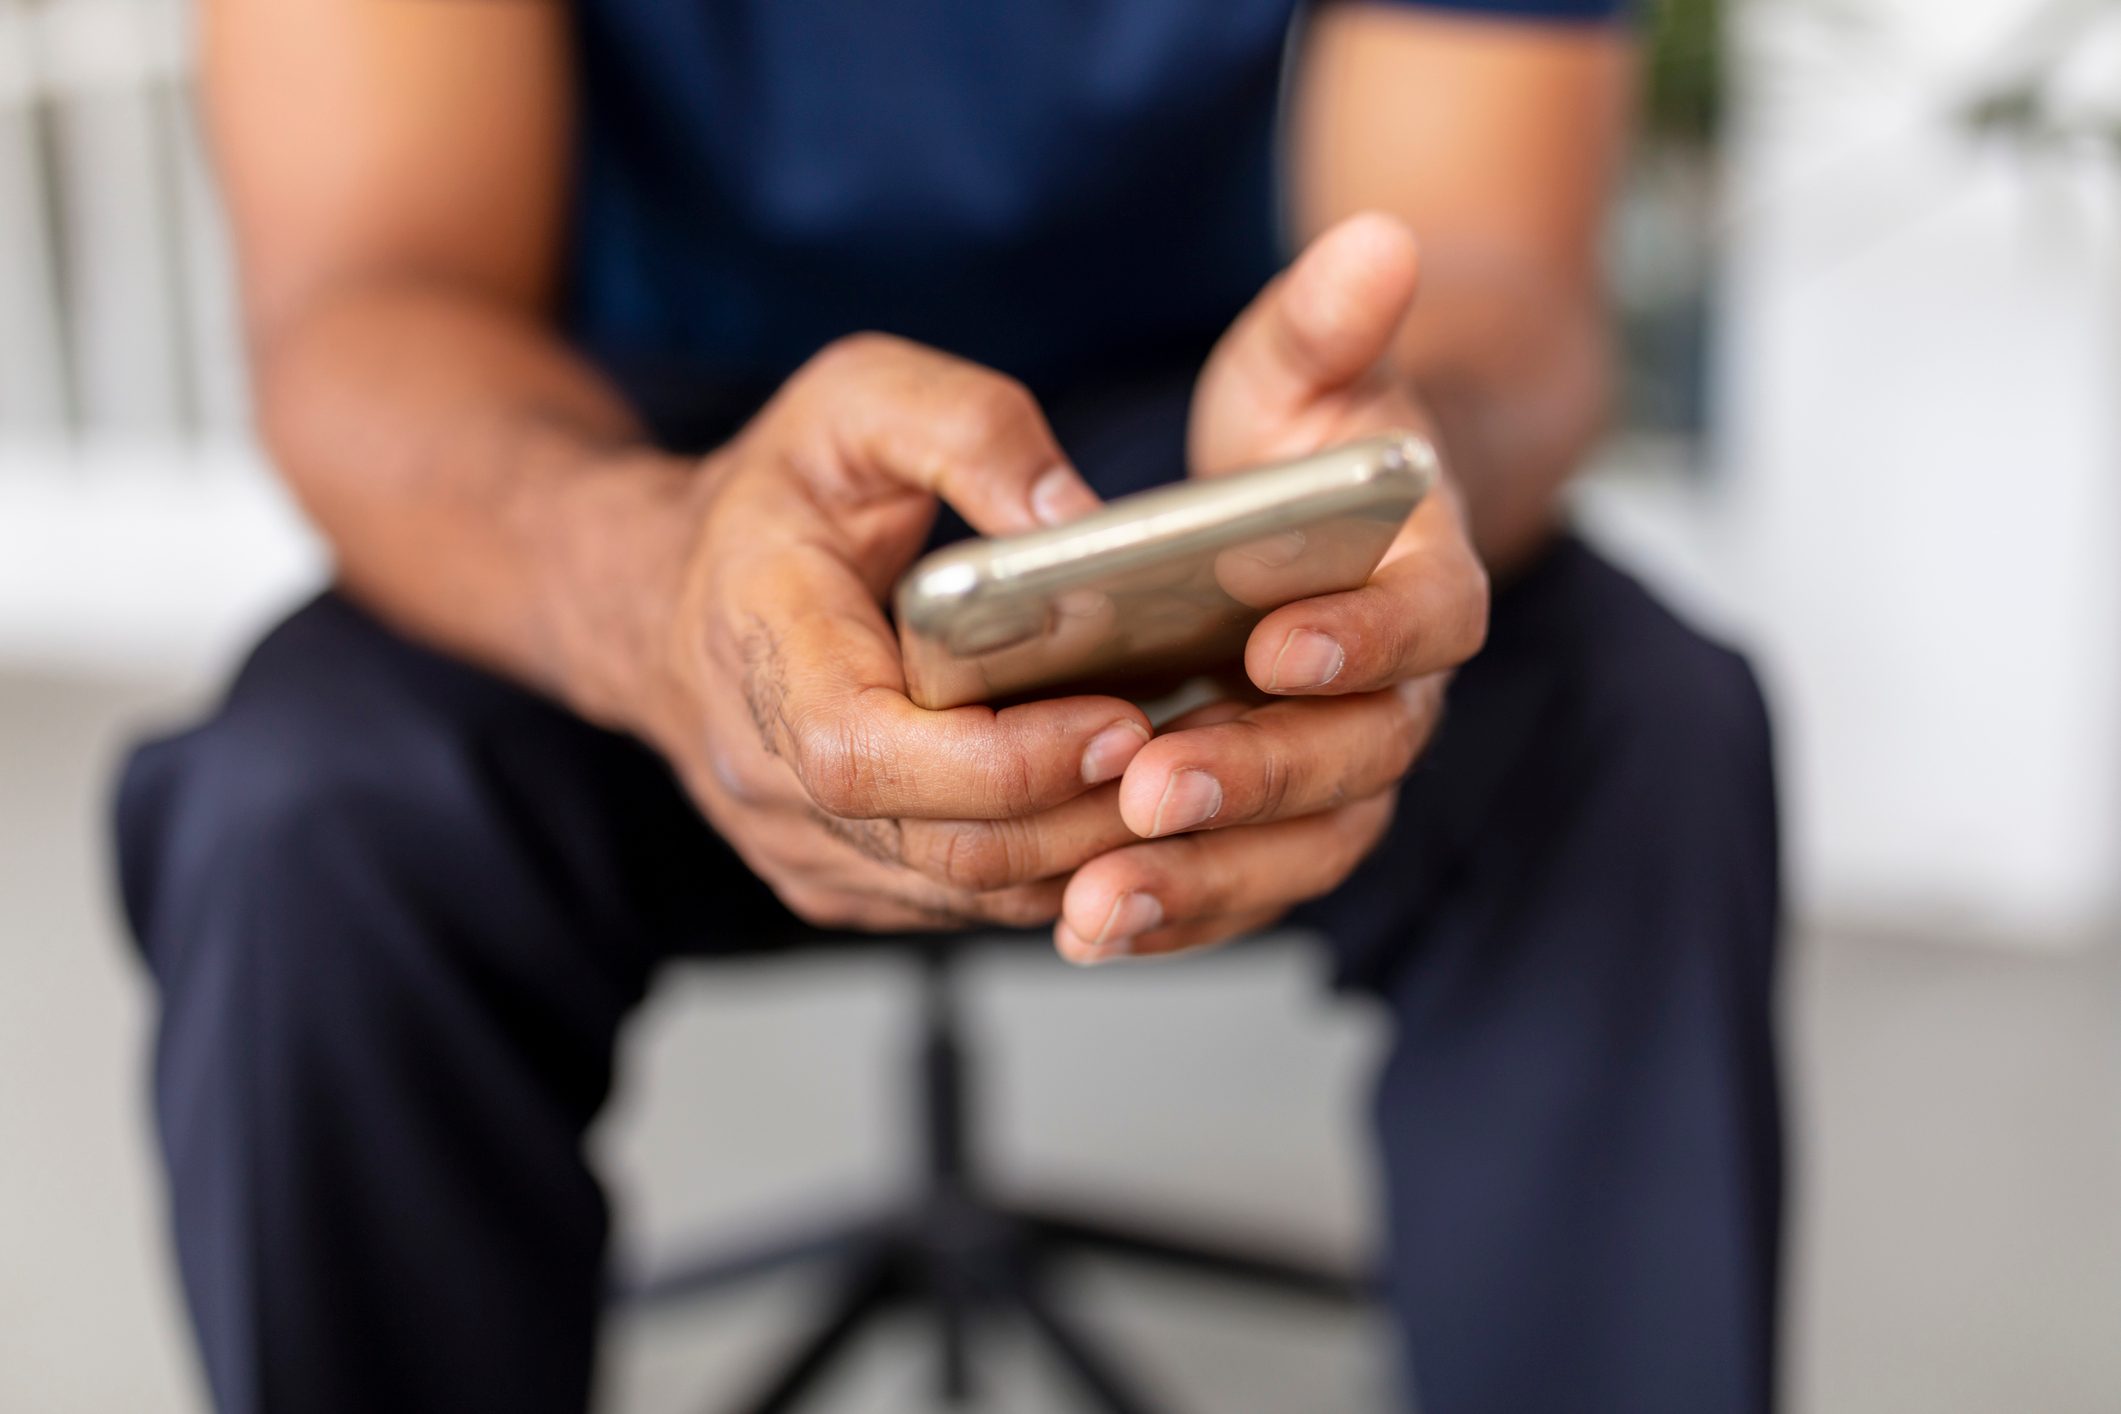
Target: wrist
(608, 554)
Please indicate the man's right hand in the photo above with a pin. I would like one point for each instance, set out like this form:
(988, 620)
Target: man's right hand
(397, 177)
(780, 698)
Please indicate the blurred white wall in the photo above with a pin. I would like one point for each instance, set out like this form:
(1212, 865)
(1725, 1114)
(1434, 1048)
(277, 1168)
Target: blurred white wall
(1923, 450)
(32, 375)
(138, 532)
(1913, 518)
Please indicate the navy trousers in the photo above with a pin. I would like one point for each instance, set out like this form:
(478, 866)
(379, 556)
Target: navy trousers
(398, 910)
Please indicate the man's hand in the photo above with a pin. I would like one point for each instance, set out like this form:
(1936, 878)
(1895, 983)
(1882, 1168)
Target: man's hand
(782, 703)
(1354, 680)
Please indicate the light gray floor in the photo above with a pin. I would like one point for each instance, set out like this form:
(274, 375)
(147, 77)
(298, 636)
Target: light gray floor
(1958, 1123)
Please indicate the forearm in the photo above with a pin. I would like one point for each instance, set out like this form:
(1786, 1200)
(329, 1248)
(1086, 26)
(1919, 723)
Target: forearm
(1515, 363)
(1498, 143)
(480, 486)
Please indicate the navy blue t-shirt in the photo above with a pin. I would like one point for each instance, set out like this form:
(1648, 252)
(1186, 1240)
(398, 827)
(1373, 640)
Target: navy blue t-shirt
(1061, 189)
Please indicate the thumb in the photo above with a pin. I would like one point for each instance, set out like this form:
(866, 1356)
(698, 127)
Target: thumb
(1325, 321)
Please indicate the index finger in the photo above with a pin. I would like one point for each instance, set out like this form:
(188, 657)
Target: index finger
(1424, 610)
(1279, 760)
(938, 423)
(827, 692)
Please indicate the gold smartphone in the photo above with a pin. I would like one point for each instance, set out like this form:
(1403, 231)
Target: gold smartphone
(1156, 587)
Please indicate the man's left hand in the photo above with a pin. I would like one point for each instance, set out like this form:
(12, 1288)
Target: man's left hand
(1247, 809)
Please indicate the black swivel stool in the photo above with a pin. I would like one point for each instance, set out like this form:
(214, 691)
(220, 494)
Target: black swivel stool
(959, 1251)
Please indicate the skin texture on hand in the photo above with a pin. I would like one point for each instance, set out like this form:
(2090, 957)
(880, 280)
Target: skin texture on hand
(782, 702)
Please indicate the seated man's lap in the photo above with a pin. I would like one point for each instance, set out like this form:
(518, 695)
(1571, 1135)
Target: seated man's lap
(1573, 922)
(338, 721)
(373, 866)
(499, 814)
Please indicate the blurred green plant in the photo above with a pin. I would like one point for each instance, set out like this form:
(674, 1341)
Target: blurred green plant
(1683, 101)
(1663, 234)
(2020, 103)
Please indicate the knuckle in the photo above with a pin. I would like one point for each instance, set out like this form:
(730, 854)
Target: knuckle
(1016, 784)
(851, 356)
(1470, 630)
(1191, 878)
(991, 409)
(1262, 763)
(1323, 880)
(830, 767)
(1410, 732)
(1362, 828)
(1330, 858)
(1476, 630)
(1277, 782)
(1370, 820)
(739, 780)
(1423, 701)
(1011, 782)
(1402, 638)
(820, 908)
(967, 856)
(1019, 908)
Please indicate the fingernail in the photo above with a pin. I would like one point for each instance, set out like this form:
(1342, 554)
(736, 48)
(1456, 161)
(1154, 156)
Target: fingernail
(1108, 753)
(1132, 915)
(1059, 496)
(1190, 797)
(1307, 659)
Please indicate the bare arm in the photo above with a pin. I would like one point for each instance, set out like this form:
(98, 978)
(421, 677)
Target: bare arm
(1497, 142)
(395, 173)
